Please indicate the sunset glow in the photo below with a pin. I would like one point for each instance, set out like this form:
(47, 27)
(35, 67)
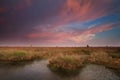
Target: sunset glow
(60, 22)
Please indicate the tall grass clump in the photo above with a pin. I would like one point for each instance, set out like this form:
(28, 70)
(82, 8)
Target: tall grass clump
(105, 59)
(17, 55)
(66, 63)
(99, 57)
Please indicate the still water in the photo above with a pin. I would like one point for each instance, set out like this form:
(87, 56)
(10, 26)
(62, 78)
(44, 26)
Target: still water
(38, 70)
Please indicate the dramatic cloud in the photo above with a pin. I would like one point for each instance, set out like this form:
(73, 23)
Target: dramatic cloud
(76, 36)
(82, 10)
(57, 21)
(91, 32)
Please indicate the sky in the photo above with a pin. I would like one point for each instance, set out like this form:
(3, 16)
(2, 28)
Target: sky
(59, 22)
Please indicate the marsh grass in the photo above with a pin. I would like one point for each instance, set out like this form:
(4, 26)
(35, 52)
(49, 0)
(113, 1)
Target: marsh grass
(18, 55)
(67, 56)
(103, 58)
(67, 64)
(70, 63)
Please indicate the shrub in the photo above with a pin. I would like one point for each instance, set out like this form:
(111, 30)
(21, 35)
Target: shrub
(99, 57)
(66, 63)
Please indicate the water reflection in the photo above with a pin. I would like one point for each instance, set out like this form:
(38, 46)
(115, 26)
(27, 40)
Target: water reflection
(38, 70)
(97, 72)
(35, 71)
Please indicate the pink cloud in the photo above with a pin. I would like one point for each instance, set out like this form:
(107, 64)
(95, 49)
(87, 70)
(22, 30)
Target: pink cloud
(84, 36)
(50, 36)
(91, 32)
(81, 11)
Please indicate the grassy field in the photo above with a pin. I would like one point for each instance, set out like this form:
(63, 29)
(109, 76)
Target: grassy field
(64, 58)
(28, 53)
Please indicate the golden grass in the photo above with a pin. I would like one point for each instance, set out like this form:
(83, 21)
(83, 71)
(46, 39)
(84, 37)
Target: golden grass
(66, 62)
(27, 53)
(108, 56)
(105, 59)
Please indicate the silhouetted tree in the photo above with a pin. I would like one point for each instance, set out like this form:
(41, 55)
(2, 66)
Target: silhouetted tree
(88, 46)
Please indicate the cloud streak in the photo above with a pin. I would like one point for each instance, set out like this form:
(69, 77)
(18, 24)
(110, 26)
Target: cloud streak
(75, 36)
(57, 21)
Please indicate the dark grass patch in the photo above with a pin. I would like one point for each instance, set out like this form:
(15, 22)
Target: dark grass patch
(64, 72)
